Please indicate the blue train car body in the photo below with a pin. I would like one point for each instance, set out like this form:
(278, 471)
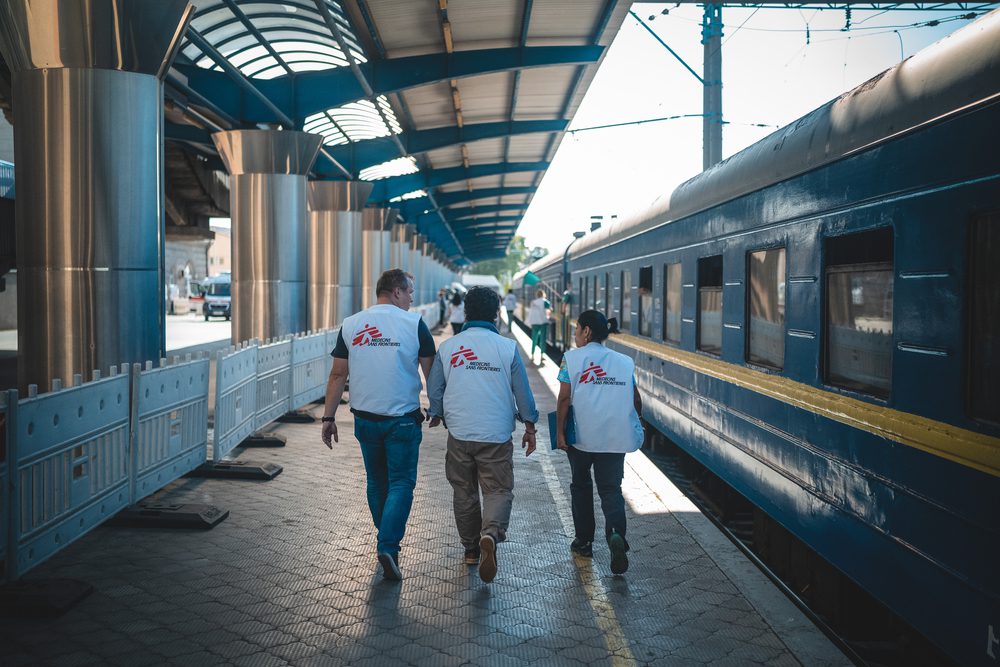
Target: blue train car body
(877, 444)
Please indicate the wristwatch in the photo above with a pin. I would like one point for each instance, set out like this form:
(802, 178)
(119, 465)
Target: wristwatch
(328, 419)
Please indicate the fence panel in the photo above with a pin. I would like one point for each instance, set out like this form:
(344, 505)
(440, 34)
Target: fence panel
(274, 381)
(309, 355)
(235, 399)
(169, 426)
(68, 464)
(4, 489)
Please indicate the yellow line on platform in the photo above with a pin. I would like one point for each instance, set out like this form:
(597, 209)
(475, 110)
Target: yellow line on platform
(604, 612)
(597, 596)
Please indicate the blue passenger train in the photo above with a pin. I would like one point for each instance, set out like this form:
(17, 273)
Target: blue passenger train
(817, 321)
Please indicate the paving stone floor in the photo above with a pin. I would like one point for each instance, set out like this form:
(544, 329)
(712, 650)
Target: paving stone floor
(290, 578)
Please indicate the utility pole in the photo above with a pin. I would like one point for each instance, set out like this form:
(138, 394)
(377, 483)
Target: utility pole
(711, 38)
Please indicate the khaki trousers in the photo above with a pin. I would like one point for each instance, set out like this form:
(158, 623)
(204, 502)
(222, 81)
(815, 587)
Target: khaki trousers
(471, 466)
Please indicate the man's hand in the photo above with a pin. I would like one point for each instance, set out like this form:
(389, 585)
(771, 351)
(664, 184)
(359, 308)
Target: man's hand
(528, 440)
(561, 443)
(435, 421)
(330, 432)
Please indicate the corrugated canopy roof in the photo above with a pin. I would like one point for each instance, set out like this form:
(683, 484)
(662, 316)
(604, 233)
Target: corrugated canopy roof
(454, 110)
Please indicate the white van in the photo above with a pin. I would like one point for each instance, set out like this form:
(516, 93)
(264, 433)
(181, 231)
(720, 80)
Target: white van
(218, 297)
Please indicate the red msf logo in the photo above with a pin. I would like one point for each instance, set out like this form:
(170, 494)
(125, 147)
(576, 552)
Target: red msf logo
(459, 358)
(366, 335)
(591, 373)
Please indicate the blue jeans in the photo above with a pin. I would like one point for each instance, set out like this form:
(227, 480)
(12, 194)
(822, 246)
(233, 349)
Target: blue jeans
(390, 449)
(609, 470)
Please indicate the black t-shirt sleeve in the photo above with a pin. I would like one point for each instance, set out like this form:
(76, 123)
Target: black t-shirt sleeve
(340, 350)
(426, 340)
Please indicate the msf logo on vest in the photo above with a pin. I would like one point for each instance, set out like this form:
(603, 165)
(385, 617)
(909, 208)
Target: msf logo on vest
(596, 375)
(372, 337)
(467, 358)
(463, 355)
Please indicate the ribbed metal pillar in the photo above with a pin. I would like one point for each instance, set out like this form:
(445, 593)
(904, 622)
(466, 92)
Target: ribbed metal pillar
(375, 242)
(267, 198)
(335, 249)
(88, 147)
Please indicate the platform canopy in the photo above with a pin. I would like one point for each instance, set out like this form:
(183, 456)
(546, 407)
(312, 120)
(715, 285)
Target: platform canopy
(454, 110)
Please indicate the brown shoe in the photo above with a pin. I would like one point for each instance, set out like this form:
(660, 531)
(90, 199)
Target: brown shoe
(472, 556)
(487, 558)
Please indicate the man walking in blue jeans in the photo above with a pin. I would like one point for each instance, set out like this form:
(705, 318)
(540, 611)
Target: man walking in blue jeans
(380, 349)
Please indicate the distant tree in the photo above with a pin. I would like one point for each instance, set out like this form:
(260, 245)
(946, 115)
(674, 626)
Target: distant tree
(518, 256)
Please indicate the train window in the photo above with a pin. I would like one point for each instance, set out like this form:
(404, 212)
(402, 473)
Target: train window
(626, 302)
(766, 308)
(582, 296)
(646, 301)
(984, 347)
(607, 295)
(672, 302)
(710, 304)
(859, 311)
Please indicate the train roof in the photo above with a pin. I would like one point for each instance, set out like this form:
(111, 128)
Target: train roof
(960, 71)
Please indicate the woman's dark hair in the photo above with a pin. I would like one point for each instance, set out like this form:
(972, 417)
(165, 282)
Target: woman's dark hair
(456, 299)
(599, 325)
(481, 303)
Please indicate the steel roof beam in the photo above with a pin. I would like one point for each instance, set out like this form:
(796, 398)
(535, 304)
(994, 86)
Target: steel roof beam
(486, 222)
(370, 152)
(369, 91)
(396, 186)
(458, 214)
(234, 75)
(313, 92)
(248, 24)
(420, 205)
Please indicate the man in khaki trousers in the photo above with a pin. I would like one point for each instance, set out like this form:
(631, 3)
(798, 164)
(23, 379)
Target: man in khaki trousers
(479, 387)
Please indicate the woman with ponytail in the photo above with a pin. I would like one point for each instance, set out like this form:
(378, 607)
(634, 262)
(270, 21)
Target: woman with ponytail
(599, 384)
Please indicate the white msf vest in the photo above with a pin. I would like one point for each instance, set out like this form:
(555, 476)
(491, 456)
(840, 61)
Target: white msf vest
(601, 384)
(478, 401)
(382, 361)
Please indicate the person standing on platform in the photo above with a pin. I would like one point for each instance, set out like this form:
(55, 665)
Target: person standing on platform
(538, 319)
(442, 306)
(380, 349)
(599, 384)
(456, 313)
(478, 386)
(509, 304)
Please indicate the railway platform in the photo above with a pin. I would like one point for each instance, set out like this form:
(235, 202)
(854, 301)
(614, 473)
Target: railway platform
(290, 578)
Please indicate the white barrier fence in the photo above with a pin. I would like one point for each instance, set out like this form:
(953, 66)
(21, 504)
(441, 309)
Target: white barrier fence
(74, 457)
(170, 413)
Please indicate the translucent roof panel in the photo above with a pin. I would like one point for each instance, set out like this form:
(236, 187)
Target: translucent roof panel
(398, 167)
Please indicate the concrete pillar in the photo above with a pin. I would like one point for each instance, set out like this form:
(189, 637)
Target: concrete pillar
(88, 152)
(334, 246)
(267, 196)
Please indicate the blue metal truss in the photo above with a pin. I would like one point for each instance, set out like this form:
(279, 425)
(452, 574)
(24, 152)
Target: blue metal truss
(396, 186)
(312, 92)
(420, 205)
(467, 213)
(368, 153)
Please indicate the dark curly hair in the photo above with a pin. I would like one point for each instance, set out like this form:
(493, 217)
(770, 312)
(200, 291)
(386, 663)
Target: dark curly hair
(600, 326)
(481, 303)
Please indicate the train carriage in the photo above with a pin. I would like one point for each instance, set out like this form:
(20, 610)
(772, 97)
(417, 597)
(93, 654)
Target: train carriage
(817, 321)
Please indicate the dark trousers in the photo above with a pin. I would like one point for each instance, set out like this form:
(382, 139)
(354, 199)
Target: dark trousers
(456, 327)
(609, 470)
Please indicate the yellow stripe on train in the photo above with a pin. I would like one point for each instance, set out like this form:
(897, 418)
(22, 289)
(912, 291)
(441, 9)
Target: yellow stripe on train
(962, 446)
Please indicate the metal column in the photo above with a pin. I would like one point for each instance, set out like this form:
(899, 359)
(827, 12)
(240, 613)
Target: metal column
(88, 146)
(711, 38)
(334, 250)
(376, 251)
(267, 194)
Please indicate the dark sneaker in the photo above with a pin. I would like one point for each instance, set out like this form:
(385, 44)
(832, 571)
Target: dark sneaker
(487, 558)
(619, 559)
(581, 548)
(472, 556)
(390, 568)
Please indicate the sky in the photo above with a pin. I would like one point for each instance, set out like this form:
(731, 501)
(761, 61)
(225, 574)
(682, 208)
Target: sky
(771, 77)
